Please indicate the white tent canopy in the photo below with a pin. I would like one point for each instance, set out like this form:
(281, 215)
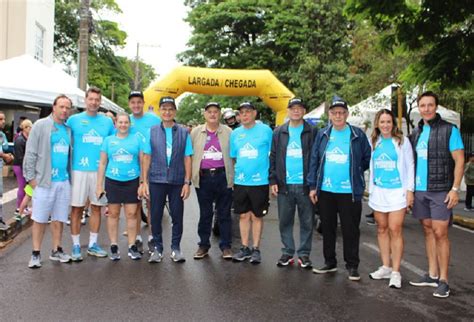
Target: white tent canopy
(364, 112)
(25, 79)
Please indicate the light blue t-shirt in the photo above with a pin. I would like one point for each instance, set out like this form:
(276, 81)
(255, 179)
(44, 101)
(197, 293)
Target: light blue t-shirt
(142, 125)
(188, 150)
(385, 158)
(251, 149)
(294, 156)
(336, 168)
(123, 156)
(3, 146)
(60, 143)
(88, 134)
(421, 179)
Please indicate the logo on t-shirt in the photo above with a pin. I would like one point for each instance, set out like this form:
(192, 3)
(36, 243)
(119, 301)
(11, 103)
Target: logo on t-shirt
(336, 156)
(248, 151)
(123, 156)
(294, 151)
(384, 162)
(422, 150)
(212, 154)
(92, 137)
(61, 147)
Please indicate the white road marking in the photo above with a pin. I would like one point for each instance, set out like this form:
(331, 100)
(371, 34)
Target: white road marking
(464, 229)
(404, 263)
(9, 195)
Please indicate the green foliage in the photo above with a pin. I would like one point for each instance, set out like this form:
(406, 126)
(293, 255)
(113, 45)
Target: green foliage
(305, 43)
(441, 31)
(112, 73)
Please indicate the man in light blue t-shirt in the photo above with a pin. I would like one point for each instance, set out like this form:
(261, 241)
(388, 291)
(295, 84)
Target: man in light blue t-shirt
(89, 129)
(439, 159)
(140, 124)
(250, 147)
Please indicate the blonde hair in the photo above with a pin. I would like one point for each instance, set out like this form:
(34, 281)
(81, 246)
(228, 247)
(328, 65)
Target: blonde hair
(396, 133)
(25, 123)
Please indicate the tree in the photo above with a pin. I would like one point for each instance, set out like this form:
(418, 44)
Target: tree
(441, 31)
(305, 43)
(112, 73)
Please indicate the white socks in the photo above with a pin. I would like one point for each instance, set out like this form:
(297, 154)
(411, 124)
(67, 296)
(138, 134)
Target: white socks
(76, 240)
(93, 239)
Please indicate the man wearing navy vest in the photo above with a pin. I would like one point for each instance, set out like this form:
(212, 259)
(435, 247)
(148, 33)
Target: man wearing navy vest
(439, 162)
(167, 175)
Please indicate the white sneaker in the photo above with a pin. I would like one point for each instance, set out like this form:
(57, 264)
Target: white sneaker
(381, 273)
(395, 280)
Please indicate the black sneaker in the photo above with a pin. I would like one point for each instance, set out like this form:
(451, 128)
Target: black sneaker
(139, 245)
(243, 254)
(325, 269)
(426, 280)
(370, 219)
(133, 252)
(443, 289)
(285, 260)
(304, 262)
(353, 274)
(256, 257)
(114, 253)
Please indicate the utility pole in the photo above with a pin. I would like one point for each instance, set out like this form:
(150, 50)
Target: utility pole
(136, 82)
(83, 44)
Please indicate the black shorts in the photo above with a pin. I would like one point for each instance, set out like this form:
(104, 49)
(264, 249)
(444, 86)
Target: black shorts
(118, 192)
(251, 198)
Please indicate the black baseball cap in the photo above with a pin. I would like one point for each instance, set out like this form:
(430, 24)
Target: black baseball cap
(136, 94)
(167, 99)
(215, 104)
(296, 101)
(338, 102)
(246, 105)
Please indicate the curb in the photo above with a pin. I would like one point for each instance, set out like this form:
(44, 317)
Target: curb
(463, 221)
(15, 227)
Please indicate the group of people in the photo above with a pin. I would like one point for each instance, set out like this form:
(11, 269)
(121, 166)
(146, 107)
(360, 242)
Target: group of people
(70, 161)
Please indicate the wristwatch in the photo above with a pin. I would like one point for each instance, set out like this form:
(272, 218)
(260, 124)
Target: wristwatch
(188, 182)
(455, 189)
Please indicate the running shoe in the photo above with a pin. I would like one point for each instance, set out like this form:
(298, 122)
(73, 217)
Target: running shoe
(76, 255)
(395, 280)
(35, 261)
(3, 225)
(256, 257)
(177, 256)
(155, 257)
(96, 251)
(325, 269)
(60, 256)
(285, 260)
(227, 253)
(426, 280)
(381, 273)
(442, 290)
(114, 253)
(139, 245)
(304, 262)
(243, 254)
(353, 274)
(133, 253)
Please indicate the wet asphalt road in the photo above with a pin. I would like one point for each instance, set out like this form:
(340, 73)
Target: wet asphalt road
(214, 289)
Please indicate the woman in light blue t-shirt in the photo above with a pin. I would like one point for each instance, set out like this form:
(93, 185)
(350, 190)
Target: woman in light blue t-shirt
(391, 187)
(120, 160)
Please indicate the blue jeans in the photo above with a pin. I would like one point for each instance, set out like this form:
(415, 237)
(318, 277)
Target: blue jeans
(158, 194)
(295, 198)
(213, 188)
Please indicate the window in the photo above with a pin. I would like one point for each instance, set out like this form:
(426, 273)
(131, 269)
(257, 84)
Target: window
(39, 42)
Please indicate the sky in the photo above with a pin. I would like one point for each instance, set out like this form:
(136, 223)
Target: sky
(159, 27)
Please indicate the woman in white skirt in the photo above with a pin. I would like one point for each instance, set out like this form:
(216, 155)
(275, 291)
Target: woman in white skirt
(391, 187)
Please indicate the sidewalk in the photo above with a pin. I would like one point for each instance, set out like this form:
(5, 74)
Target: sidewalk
(462, 217)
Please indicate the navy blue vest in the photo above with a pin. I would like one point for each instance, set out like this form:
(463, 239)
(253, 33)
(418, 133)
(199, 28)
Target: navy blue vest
(160, 172)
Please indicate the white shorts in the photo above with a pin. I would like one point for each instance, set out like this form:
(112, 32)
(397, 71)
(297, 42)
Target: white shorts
(387, 200)
(84, 186)
(54, 201)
